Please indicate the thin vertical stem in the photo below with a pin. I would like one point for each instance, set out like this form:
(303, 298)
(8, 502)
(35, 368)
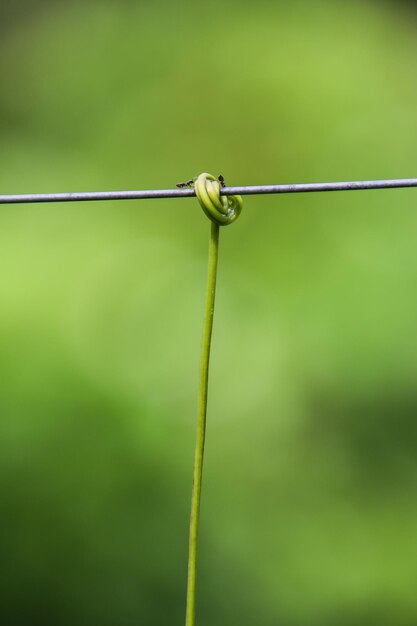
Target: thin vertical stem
(201, 422)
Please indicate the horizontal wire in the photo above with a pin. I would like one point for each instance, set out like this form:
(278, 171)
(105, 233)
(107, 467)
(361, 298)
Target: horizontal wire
(226, 191)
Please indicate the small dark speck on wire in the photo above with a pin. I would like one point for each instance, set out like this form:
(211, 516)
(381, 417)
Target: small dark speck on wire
(226, 191)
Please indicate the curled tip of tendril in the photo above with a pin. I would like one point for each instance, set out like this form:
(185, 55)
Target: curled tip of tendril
(222, 210)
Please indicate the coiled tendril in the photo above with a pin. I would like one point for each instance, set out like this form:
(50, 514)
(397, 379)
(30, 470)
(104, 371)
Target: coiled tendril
(222, 210)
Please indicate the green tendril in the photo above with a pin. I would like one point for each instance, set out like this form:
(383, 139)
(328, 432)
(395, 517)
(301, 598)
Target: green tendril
(221, 210)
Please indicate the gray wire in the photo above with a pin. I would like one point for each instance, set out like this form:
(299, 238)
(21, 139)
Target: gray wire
(227, 191)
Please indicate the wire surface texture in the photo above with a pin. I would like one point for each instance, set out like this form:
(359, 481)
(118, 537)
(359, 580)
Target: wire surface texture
(395, 183)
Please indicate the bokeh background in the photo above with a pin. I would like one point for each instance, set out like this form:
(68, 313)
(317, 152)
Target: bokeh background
(309, 510)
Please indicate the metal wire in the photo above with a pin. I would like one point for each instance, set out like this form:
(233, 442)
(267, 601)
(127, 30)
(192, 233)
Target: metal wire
(227, 191)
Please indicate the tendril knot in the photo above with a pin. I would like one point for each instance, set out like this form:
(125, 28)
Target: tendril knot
(221, 210)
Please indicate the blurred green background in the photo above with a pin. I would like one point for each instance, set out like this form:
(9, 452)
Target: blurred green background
(309, 512)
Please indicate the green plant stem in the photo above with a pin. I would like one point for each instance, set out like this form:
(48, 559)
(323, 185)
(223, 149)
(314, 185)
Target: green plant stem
(201, 422)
